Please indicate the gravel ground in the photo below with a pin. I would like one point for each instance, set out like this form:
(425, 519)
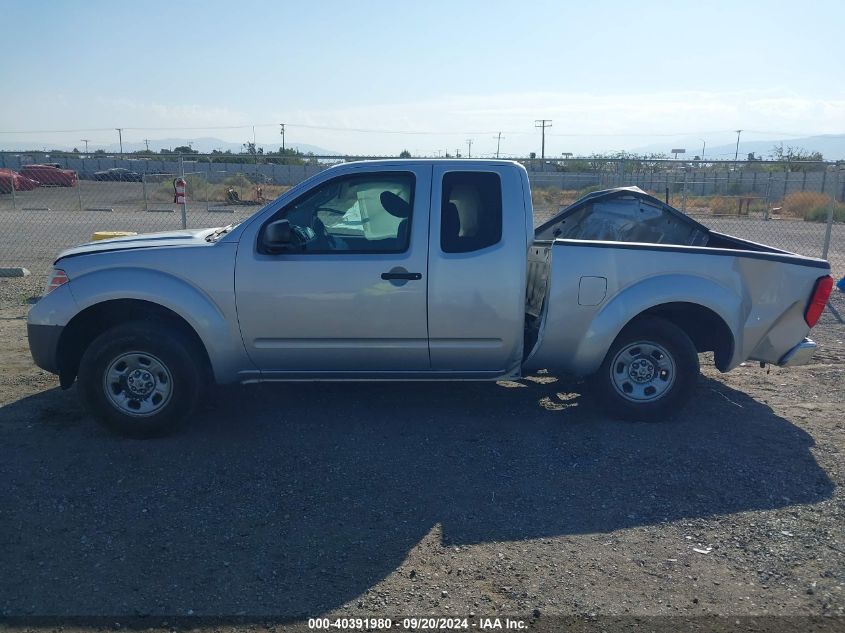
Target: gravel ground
(466, 499)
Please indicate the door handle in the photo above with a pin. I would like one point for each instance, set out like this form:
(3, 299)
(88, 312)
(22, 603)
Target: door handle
(402, 275)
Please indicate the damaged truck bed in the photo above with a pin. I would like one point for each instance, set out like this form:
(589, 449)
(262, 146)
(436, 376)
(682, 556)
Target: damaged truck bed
(622, 251)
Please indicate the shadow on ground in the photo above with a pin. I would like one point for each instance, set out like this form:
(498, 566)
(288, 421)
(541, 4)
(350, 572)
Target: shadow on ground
(292, 500)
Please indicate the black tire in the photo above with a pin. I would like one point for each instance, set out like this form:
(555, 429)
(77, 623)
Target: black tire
(650, 353)
(145, 353)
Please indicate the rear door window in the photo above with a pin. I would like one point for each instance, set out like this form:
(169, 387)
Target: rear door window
(470, 211)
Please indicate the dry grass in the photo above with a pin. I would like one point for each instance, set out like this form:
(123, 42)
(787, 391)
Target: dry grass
(200, 190)
(801, 204)
(722, 205)
(551, 198)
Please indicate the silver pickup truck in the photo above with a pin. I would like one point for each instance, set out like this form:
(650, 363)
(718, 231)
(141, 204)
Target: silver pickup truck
(420, 270)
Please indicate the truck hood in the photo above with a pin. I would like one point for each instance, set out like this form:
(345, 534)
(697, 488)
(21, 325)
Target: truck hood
(146, 240)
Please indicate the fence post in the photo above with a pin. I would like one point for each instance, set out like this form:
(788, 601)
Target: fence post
(829, 228)
(768, 200)
(79, 192)
(684, 199)
(144, 185)
(14, 199)
(184, 205)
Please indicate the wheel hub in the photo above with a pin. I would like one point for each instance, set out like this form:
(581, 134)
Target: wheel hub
(641, 370)
(140, 383)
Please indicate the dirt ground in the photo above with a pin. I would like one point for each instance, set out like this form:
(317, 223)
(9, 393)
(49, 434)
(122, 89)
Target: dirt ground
(278, 503)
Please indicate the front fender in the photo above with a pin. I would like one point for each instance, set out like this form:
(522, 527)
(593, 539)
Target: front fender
(217, 329)
(650, 293)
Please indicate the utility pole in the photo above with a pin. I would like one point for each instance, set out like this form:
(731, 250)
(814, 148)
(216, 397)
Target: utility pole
(543, 124)
(469, 148)
(147, 143)
(282, 125)
(120, 138)
(85, 140)
(498, 138)
(736, 154)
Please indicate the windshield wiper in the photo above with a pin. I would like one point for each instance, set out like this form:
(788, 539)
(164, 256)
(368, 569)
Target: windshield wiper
(220, 232)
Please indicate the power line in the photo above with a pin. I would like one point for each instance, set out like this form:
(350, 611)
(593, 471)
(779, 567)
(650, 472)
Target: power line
(412, 132)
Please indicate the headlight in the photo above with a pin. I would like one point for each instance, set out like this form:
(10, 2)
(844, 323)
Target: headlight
(57, 278)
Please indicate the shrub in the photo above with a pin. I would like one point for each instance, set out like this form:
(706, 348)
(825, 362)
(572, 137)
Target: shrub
(800, 204)
(819, 214)
(196, 185)
(721, 205)
(238, 180)
(552, 198)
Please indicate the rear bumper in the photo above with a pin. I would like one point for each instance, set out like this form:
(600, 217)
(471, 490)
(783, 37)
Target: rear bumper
(43, 345)
(801, 354)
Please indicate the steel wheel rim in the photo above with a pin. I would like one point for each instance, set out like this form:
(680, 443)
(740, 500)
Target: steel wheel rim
(138, 384)
(642, 372)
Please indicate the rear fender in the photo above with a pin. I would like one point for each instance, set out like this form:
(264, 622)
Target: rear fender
(650, 293)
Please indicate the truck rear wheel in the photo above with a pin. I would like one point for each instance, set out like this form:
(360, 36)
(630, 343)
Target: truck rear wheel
(140, 379)
(650, 371)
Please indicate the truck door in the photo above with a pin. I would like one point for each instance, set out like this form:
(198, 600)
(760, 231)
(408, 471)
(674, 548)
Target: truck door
(477, 269)
(353, 299)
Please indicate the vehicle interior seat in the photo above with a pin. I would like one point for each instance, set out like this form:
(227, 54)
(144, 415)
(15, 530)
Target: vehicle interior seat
(398, 208)
(450, 228)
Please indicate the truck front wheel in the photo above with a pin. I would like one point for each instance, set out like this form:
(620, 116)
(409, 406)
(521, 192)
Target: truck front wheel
(649, 372)
(140, 379)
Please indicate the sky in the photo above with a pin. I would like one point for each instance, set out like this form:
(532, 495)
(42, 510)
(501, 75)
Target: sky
(377, 77)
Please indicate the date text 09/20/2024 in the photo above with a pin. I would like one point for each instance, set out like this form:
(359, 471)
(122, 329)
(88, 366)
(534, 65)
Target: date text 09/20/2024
(416, 624)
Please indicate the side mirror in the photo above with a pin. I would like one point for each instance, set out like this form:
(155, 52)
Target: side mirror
(278, 236)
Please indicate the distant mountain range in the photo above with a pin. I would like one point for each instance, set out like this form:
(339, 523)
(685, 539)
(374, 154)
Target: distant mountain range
(202, 145)
(831, 146)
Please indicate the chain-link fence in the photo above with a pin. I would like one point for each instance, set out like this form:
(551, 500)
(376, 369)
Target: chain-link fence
(58, 202)
(48, 203)
(798, 211)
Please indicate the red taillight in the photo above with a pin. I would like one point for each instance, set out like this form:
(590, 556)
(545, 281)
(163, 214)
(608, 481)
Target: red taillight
(818, 300)
(57, 278)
